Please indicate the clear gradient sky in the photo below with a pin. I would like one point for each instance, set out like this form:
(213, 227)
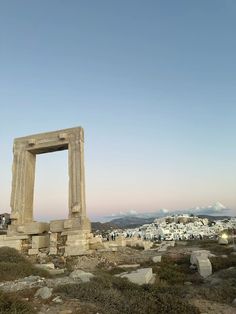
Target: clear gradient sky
(152, 82)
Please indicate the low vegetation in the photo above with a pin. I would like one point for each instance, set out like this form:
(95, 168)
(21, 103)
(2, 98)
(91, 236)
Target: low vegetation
(219, 262)
(229, 273)
(13, 265)
(12, 304)
(223, 293)
(174, 271)
(118, 295)
(212, 245)
(176, 285)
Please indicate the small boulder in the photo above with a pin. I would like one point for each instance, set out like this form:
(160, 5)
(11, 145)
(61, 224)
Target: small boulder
(187, 283)
(32, 278)
(44, 293)
(45, 266)
(193, 267)
(140, 276)
(223, 241)
(57, 299)
(156, 259)
(82, 275)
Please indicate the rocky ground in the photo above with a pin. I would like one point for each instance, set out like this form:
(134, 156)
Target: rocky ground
(87, 284)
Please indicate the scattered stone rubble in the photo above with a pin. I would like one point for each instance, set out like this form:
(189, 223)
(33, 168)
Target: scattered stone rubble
(40, 282)
(50, 268)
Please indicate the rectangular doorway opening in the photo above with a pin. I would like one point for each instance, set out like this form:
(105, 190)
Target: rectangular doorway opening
(51, 187)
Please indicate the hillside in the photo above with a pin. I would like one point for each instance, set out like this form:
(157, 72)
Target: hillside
(103, 227)
(131, 221)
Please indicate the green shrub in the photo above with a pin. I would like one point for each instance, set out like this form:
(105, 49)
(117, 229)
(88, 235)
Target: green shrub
(118, 295)
(171, 274)
(224, 293)
(219, 262)
(176, 270)
(211, 245)
(10, 255)
(229, 273)
(11, 304)
(13, 265)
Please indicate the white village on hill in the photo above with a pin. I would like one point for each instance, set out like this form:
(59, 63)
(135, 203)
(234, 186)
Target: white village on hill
(181, 227)
(184, 226)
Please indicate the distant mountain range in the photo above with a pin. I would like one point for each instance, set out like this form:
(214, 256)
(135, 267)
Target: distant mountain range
(131, 221)
(103, 227)
(134, 222)
(134, 219)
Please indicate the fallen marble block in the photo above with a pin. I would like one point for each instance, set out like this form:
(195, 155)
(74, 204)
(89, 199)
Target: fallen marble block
(199, 253)
(140, 276)
(204, 266)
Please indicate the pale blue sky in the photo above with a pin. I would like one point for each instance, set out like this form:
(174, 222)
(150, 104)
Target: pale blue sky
(153, 83)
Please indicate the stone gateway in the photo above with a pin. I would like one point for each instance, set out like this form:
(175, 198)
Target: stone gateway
(25, 151)
(75, 229)
(68, 237)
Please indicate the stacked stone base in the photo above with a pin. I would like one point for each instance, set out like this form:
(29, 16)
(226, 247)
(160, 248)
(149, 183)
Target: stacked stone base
(16, 242)
(70, 237)
(61, 237)
(77, 243)
(69, 243)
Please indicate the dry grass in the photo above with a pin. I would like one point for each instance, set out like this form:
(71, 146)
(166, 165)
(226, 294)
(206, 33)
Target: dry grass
(118, 295)
(12, 304)
(212, 245)
(227, 274)
(174, 270)
(13, 265)
(219, 262)
(223, 293)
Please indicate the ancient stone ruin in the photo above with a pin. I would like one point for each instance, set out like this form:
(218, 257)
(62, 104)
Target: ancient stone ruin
(70, 235)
